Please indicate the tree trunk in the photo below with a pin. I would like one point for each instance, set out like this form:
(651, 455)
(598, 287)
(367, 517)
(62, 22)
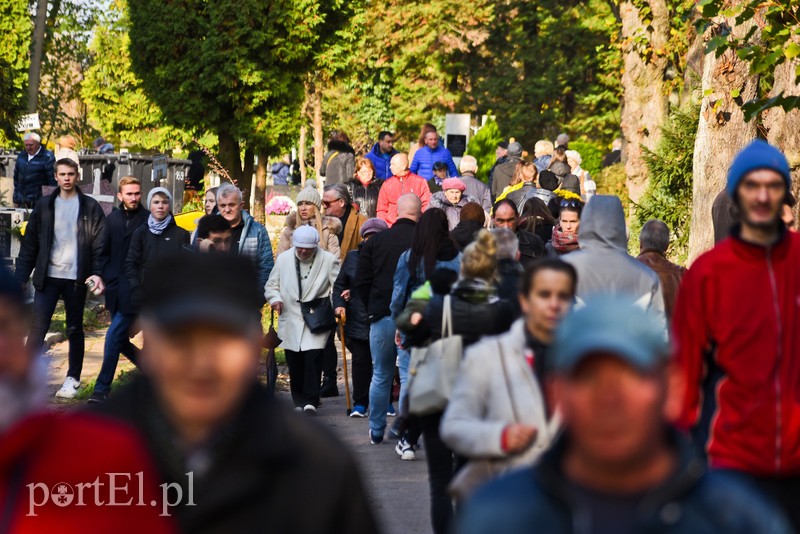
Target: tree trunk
(37, 53)
(319, 142)
(230, 157)
(261, 188)
(246, 183)
(645, 102)
(301, 157)
(783, 129)
(721, 134)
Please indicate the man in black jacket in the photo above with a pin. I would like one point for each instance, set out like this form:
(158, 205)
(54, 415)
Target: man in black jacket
(242, 463)
(374, 283)
(531, 246)
(62, 248)
(34, 169)
(120, 226)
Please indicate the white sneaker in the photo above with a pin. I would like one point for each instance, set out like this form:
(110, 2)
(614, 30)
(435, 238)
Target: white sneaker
(309, 409)
(69, 389)
(405, 450)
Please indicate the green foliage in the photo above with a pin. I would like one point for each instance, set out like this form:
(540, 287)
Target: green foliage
(776, 43)
(64, 65)
(15, 34)
(224, 66)
(669, 193)
(483, 146)
(117, 104)
(613, 181)
(591, 154)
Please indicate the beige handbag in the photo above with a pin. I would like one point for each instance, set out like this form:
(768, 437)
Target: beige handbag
(478, 472)
(434, 369)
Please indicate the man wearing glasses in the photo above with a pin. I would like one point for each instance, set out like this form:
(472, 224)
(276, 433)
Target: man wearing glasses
(338, 203)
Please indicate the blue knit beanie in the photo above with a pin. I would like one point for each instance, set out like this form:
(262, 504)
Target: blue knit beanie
(758, 155)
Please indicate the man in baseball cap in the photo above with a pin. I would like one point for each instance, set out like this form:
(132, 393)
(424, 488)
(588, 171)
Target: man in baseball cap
(210, 424)
(618, 466)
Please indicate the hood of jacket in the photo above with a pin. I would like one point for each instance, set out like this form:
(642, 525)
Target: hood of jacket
(340, 146)
(603, 224)
(560, 169)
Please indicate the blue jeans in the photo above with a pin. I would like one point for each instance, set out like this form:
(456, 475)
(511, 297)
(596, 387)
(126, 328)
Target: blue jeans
(384, 354)
(117, 342)
(403, 363)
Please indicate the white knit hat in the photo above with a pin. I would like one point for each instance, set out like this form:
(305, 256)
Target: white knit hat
(305, 237)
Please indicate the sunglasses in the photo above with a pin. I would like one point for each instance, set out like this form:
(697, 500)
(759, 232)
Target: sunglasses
(328, 204)
(571, 203)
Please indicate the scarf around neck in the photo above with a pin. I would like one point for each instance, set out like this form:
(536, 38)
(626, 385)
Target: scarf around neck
(156, 227)
(564, 242)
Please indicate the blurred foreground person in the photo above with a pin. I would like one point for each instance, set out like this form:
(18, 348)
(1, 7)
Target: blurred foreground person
(39, 452)
(735, 325)
(201, 410)
(617, 467)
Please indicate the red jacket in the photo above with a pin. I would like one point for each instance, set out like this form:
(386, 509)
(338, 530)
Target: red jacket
(737, 333)
(394, 188)
(60, 452)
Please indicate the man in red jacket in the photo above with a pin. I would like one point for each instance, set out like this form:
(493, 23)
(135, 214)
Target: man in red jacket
(402, 182)
(65, 473)
(736, 327)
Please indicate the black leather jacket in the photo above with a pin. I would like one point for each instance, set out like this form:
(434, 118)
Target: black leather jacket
(365, 197)
(34, 256)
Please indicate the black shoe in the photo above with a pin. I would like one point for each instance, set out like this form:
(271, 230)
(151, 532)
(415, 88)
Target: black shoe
(97, 398)
(329, 388)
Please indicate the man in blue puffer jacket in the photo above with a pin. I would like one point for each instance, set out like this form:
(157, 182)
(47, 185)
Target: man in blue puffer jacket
(433, 151)
(34, 168)
(381, 155)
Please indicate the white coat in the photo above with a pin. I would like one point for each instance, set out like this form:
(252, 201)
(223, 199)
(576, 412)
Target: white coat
(282, 287)
(480, 406)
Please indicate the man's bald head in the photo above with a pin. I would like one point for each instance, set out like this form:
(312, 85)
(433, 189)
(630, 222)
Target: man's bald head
(399, 165)
(409, 206)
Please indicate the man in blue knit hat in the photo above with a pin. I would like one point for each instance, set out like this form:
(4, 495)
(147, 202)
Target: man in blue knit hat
(735, 328)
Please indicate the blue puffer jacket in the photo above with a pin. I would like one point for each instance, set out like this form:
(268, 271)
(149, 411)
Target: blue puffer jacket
(380, 161)
(403, 284)
(690, 500)
(424, 158)
(30, 176)
(255, 243)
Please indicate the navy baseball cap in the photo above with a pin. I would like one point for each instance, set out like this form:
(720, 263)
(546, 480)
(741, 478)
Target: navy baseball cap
(612, 325)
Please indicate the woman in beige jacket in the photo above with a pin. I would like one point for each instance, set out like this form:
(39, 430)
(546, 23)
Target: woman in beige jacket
(309, 206)
(497, 410)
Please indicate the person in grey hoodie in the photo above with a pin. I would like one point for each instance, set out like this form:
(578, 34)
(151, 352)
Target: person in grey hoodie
(603, 263)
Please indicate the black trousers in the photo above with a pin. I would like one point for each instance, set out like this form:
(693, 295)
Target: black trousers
(330, 358)
(304, 376)
(361, 369)
(440, 460)
(44, 304)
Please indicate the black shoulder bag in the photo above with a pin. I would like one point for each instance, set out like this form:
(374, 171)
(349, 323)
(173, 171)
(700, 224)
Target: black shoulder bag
(317, 313)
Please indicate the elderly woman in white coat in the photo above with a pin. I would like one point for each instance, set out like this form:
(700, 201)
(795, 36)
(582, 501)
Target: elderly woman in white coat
(318, 270)
(497, 416)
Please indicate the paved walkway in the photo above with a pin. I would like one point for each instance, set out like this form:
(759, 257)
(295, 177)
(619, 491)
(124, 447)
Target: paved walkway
(398, 490)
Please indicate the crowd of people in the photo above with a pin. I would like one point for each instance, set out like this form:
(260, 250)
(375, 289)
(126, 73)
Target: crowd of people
(553, 381)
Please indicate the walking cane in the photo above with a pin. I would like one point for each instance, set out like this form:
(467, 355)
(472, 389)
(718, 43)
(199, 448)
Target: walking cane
(344, 364)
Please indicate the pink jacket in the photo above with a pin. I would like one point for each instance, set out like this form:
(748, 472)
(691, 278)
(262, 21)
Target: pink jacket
(394, 188)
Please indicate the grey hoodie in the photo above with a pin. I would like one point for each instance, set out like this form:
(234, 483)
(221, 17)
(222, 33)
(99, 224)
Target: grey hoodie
(603, 263)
